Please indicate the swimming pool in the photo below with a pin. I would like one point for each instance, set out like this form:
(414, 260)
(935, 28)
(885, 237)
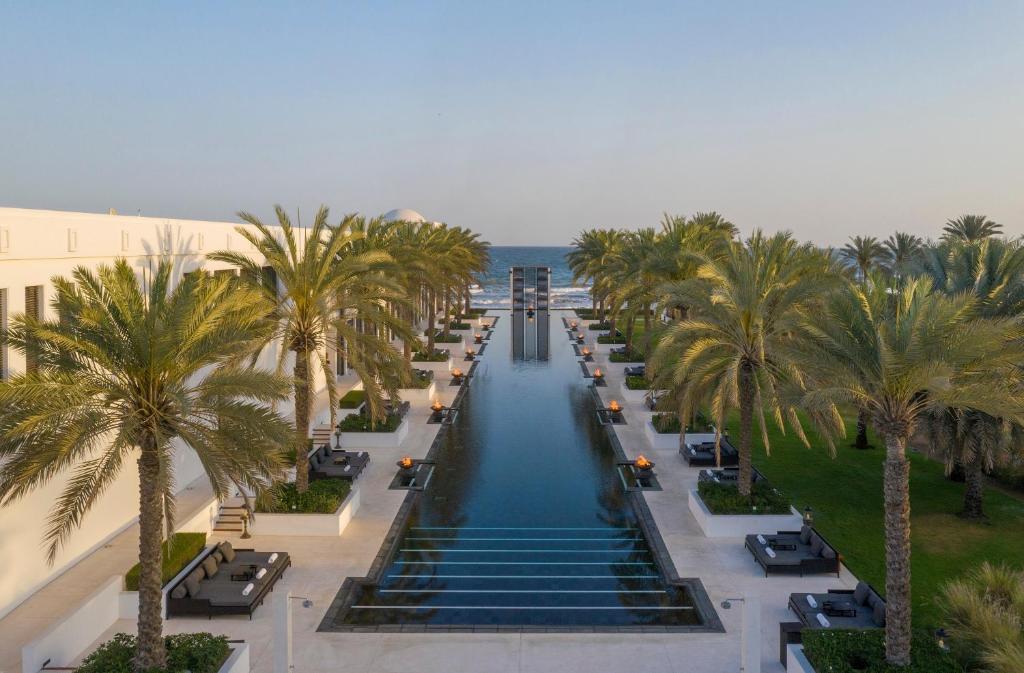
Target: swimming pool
(525, 521)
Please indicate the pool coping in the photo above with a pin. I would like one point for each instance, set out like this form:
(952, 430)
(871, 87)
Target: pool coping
(711, 623)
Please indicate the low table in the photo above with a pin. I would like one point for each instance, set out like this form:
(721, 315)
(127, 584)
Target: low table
(246, 575)
(839, 609)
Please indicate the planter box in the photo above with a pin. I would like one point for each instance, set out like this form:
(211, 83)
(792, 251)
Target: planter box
(419, 395)
(128, 601)
(436, 367)
(316, 525)
(633, 395)
(375, 440)
(739, 525)
(660, 440)
(796, 660)
(345, 412)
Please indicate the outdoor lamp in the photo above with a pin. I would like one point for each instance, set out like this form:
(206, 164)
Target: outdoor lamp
(808, 516)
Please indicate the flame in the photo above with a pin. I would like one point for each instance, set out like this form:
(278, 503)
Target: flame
(437, 406)
(405, 462)
(470, 351)
(586, 351)
(597, 373)
(456, 372)
(614, 406)
(642, 462)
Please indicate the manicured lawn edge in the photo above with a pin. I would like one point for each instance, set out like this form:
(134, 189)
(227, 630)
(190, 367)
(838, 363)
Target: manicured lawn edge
(184, 548)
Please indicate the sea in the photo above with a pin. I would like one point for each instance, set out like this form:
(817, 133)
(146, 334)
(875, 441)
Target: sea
(493, 292)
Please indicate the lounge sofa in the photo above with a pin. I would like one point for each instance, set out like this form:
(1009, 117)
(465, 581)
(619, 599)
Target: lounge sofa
(327, 464)
(802, 552)
(227, 581)
(727, 475)
(860, 608)
(635, 370)
(703, 455)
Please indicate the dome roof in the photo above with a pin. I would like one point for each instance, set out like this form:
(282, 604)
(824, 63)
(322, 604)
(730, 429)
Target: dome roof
(403, 215)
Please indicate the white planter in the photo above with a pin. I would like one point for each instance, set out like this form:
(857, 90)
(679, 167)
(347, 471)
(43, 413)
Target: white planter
(439, 368)
(345, 412)
(660, 440)
(632, 395)
(740, 525)
(238, 660)
(375, 440)
(315, 525)
(128, 601)
(419, 395)
(796, 660)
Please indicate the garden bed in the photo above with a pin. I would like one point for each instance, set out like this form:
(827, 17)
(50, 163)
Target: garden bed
(609, 339)
(183, 548)
(724, 498)
(359, 432)
(440, 338)
(739, 525)
(324, 510)
(632, 356)
(864, 650)
(633, 394)
(459, 325)
(194, 652)
(600, 326)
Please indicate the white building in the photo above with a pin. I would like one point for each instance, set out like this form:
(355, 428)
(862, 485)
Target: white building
(35, 246)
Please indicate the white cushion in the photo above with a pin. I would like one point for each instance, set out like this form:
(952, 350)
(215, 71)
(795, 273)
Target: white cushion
(248, 587)
(823, 620)
(810, 601)
(769, 551)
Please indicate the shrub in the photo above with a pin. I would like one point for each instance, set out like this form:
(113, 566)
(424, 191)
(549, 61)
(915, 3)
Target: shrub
(586, 313)
(361, 423)
(195, 652)
(473, 313)
(611, 339)
(324, 496)
(637, 383)
(455, 324)
(183, 548)
(983, 613)
(726, 499)
(632, 356)
(352, 399)
(421, 379)
(864, 650)
(667, 424)
(600, 326)
(450, 339)
(439, 355)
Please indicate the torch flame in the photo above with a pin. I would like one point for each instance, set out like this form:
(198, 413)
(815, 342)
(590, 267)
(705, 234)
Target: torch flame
(642, 462)
(405, 462)
(614, 406)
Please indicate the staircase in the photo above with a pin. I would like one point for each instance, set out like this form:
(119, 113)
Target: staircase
(322, 435)
(229, 519)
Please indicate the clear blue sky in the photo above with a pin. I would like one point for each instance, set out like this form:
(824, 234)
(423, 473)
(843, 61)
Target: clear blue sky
(525, 121)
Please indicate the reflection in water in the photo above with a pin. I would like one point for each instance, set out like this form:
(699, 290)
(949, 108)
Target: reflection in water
(525, 521)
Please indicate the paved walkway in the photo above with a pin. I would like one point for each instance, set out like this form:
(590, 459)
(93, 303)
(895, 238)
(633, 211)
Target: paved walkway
(320, 564)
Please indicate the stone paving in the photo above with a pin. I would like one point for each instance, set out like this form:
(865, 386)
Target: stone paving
(320, 564)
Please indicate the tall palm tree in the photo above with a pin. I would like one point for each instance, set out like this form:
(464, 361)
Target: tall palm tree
(904, 250)
(970, 229)
(900, 354)
(591, 253)
(864, 254)
(732, 351)
(323, 284)
(124, 371)
(991, 270)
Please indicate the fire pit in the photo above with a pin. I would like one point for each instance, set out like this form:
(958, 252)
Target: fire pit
(588, 356)
(470, 354)
(580, 338)
(457, 376)
(437, 410)
(406, 467)
(574, 325)
(643, 467)
(599, 377)
(478, 338)
(614, 407)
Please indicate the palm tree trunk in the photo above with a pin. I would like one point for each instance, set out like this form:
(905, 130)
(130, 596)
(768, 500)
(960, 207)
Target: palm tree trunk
(593, 304)
(447, 312)
(431, 310)
(746, 391)
(301, 373)
(629, 335)
(862, 430)
(151, 652)
(896, 491)
(468, 297)
(975, 491)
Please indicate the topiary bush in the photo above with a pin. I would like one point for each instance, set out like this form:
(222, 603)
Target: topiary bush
(637, 383)
(324, 496)
(863, 650)
(193, 652)
(726, 499)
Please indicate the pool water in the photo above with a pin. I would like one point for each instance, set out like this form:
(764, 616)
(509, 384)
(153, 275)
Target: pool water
(525, 521)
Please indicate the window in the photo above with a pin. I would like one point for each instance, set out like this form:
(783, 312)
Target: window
(3, 328)
(33, 309)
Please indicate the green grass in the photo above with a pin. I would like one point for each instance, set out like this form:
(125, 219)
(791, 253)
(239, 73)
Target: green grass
(324, 496)
(667, 424)
(352, 399)
(632, 356)
(436, 356)
(600, 326)
(609, 339)
(421, 379)
(846, 494)
(185, 547)
(864, 650)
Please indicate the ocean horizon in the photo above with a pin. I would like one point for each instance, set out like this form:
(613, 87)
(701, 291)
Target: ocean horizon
(494, 290)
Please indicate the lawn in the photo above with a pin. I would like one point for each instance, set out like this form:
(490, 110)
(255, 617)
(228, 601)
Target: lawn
(184, 548)
(846, 494)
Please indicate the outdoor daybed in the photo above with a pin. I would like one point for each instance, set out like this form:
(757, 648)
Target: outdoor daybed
(227, 582)
(803, 552)
(327, 464)
(635, 370)
(727, 475)
(860, 608)
(703, 454)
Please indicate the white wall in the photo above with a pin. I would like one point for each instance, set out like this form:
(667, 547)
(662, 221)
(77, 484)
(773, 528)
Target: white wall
(36, 245)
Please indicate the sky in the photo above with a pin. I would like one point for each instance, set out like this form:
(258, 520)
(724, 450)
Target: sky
(525, 121)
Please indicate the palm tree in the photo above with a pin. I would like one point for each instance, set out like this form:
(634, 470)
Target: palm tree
(970, 229)
(899, 354)
(125, 369)
(903, 251)
(864, 254)
(323, 284)
(592, 251)
(992, 271)
(732, 351)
